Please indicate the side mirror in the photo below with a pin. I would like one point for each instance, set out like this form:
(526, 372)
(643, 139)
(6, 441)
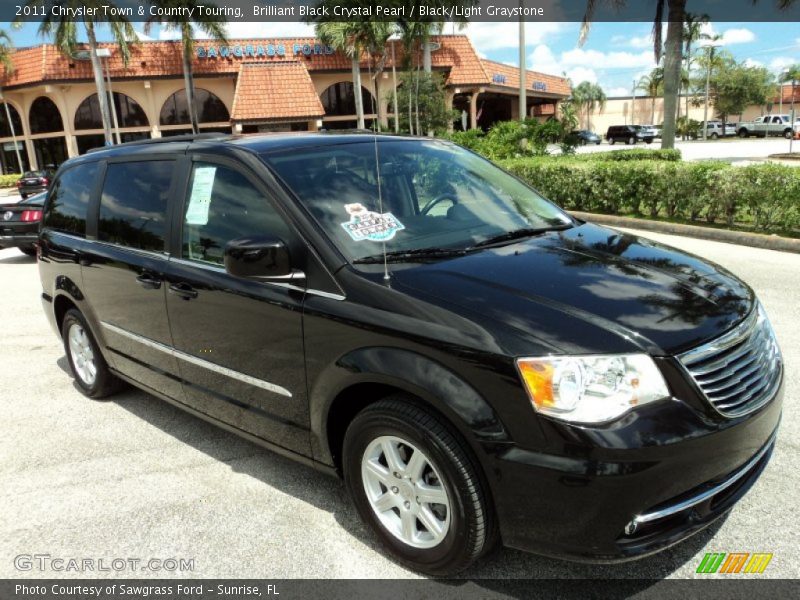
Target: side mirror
(258, 257)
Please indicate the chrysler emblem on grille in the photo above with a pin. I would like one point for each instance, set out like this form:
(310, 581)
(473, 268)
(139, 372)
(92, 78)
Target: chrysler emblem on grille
(7, 215)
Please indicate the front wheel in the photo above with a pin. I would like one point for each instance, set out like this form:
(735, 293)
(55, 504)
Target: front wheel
(788, 134)
(630, 141)
(611, 141)
(87, 364)
(714, 136)
(414, 483)
(743, 133)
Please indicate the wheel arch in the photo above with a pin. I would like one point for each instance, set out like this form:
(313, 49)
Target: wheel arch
(367, 375)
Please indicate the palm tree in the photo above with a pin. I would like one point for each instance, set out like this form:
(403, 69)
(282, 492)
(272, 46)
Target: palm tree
(588, 95)
(379, 36)
(692, 32)
(673, 53)
(8, 66)
(652, 85)
(64, 31)
(212, 29)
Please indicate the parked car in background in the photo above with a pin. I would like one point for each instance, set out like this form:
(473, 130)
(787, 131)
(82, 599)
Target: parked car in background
(716, 130)
(583, 137)
(34, 182)
(650, 130)
(19, 223)
(630, 134)
(769, 125)
(479, 366)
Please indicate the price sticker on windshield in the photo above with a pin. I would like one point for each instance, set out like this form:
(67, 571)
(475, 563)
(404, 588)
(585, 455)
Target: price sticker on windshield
(369, 225)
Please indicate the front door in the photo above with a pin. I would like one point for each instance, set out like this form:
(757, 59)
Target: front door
(238, 341)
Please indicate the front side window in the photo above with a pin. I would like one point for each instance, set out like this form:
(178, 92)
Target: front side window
(223, 205)
(133, 207)
(431, 195)
(69, 200)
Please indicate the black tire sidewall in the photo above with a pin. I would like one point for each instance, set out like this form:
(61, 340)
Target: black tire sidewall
(433, 560)
(103, 379)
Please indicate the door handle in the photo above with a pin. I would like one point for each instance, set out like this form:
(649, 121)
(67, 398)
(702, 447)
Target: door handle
(184, 290)
(149, 282)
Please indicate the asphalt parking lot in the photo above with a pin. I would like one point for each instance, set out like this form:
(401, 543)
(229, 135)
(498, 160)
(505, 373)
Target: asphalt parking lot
(136, 478)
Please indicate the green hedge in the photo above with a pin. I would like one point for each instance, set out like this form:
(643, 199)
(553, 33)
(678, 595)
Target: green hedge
(8, 180)
(668, 155)
(764, 197)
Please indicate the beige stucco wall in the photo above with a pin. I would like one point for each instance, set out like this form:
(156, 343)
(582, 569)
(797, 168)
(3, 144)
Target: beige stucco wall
(617, 111)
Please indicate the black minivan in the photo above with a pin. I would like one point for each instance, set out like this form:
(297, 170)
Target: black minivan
(479, 366)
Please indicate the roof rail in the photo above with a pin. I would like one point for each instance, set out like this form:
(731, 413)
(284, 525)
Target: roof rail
(187, 137)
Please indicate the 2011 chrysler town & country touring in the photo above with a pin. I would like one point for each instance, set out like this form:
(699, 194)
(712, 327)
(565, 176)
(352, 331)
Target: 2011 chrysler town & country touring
(480, 367)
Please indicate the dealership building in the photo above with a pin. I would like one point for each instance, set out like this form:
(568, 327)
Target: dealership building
(245, 86)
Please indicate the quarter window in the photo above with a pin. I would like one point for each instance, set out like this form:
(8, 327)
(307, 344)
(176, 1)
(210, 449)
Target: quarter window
(133, 207)
(69, 200)
(223, 205)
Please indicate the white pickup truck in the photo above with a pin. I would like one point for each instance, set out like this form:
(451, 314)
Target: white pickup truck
(769, 125)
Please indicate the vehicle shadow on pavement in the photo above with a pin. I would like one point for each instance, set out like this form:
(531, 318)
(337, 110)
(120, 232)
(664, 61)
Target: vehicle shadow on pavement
(17, 259)
(328, 494)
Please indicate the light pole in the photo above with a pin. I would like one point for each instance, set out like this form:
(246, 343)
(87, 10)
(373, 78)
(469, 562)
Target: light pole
(105, 53)
(523, 94)
(633, 103)
(710, 57)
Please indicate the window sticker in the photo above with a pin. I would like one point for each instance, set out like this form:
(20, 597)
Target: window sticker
(200, 198)
(368, 225)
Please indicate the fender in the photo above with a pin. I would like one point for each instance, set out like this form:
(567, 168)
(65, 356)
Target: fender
(66, 287)
(409, 371)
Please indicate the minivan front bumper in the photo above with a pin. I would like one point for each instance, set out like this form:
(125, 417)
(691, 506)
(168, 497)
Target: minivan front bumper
(651, 480)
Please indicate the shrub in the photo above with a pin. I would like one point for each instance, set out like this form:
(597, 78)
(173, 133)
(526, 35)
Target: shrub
(669, 155)
(763, 195)
(8, 180)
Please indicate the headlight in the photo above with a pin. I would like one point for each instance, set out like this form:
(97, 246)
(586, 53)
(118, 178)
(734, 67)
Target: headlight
(591, 389)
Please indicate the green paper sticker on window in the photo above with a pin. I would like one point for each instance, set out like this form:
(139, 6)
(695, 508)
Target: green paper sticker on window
(200, 197)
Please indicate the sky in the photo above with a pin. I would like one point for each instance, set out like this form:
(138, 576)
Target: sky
(614, 55)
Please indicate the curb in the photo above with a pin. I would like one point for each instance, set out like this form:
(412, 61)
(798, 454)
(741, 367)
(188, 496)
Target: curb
(755, 240)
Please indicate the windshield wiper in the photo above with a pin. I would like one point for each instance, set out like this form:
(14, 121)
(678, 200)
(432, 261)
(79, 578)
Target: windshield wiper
(410, 255)
(517, 234)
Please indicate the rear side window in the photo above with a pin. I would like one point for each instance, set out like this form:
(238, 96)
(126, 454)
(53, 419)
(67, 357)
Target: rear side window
(69, 200)
(133, 206)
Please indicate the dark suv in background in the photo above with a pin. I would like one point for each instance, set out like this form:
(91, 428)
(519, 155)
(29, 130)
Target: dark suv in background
(630, 134)
(479, 366)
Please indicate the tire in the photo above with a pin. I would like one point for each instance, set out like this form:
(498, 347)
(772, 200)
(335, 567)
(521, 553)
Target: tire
(29, 250)
(788, 134)
(24, 196)
(631, 140)
(611, 141)
(743, 133)
(648, 141)
(81, 350)
(715, 136)
(465, 521)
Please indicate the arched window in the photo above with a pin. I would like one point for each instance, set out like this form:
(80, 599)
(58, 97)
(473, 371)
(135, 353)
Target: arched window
(5, 130)
(129, 113)
(210, 109)
(45, 117)
(339, 99)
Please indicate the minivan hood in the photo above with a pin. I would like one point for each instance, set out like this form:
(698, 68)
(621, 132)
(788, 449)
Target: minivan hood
(589, 289)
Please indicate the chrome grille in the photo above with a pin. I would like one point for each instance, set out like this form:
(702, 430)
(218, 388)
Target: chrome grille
(740, 371)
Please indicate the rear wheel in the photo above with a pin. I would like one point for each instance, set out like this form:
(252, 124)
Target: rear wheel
(414, 483)
(88, 366)
(23, 196)
(714, 136)
(631, 140)
(29, 250)
(788, 134)
(743, 133)
(612, 141)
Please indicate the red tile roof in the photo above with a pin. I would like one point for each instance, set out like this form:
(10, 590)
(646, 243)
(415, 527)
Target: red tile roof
(510, 78)
(150, 59)
(275, 91)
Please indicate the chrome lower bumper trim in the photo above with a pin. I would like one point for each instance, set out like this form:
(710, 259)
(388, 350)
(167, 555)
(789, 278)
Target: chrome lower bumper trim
(656, 515)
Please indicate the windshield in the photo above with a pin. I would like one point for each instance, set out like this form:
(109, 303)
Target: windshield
(432, 195)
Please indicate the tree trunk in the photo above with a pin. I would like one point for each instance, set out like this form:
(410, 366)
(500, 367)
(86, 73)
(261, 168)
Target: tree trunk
(653, 111)
(426, 51)
(188, 80)
(357, 88)
(672, 69)
(102, 96)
